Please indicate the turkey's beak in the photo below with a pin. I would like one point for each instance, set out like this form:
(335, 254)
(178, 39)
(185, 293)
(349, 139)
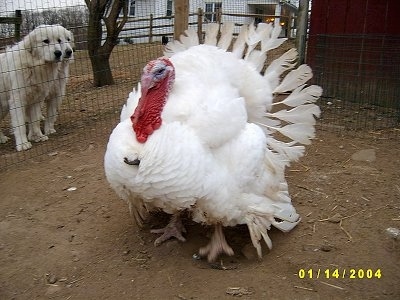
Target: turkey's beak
(147, 83)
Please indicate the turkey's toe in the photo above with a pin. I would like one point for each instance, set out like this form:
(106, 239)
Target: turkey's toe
(217, 246)
(174, 229)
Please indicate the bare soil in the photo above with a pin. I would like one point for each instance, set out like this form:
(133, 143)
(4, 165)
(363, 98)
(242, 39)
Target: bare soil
(64, 234)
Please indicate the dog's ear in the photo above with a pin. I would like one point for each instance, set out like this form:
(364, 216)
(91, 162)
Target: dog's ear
(72, 39)
(28, 42)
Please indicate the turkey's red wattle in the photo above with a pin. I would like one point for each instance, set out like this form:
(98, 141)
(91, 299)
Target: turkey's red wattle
(147, 115)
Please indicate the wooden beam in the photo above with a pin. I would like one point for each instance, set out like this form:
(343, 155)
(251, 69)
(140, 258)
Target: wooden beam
(181, 17)
(301, 33)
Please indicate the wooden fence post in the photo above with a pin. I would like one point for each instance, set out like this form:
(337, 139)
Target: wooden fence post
(18, 16)
(17, 21)
(151, 29)
(181, 17)
(219, 15)
(200, 24)
(301, 32)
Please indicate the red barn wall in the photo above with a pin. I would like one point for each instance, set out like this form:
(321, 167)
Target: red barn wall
(352, 17)
(355, 17)
(355, 41)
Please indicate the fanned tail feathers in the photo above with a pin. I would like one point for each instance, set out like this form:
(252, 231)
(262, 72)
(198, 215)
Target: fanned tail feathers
(277, 67)
(296, 120)
(187, 40)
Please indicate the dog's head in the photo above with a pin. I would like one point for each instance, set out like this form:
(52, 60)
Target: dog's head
(49, 43)
(68, 46)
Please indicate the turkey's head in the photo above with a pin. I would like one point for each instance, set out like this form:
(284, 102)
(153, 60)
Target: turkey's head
(156, 81)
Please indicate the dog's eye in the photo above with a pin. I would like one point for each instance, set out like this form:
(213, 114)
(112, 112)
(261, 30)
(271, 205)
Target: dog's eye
(68, 39)
(46, 41)
(59, 41)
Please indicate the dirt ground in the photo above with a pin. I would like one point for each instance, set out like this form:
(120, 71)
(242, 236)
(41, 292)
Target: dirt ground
(64, 234)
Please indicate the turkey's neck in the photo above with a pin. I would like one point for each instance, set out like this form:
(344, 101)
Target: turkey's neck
(147, 115)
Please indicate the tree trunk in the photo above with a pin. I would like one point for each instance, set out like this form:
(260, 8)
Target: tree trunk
(102, 74)
(107, 11)
(98, 55)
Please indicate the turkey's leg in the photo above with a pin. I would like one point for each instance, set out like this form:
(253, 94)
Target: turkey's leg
(174, 228)
(216, 246)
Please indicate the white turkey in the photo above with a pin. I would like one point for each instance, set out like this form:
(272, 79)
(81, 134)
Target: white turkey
(204, 132)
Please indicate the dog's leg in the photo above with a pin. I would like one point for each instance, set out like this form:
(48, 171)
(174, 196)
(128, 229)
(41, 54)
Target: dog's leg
(3, 111)
(54, 100)
(17, 114)
(53, 103)
(35, 116)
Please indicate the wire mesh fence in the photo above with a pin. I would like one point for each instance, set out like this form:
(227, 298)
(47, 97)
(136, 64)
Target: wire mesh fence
(88, 112)
(360, 75)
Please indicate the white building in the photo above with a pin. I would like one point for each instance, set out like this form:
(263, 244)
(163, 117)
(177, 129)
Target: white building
(8, 7)
(137, 29)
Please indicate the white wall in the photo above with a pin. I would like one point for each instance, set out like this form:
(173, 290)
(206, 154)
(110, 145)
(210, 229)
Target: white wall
(9, 6)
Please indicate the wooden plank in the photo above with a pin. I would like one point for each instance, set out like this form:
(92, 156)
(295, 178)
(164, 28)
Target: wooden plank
(181, 17)
(10, 20)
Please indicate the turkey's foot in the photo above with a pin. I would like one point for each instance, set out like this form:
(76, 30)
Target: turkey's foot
(174, 229)
(216, 246)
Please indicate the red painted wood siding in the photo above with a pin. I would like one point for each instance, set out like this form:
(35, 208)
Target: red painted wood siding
(354, 50)
(355, 17)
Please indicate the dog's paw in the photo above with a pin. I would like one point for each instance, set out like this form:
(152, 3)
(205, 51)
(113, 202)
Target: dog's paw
(24, 146)
(49, 131)
(3, 139)
(37, 137)
(41, 138)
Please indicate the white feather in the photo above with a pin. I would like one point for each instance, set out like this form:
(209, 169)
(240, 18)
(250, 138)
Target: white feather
(189, 38)
(302, 95)
(289, 151)
(284, 62)
(240, 42)
(294, 79)
(173, 47)
(226, 36)
(129, 107)
(300, 114)
(211, 34)
(272, 40)
(253, 38)
(301, 133)
(257, 58)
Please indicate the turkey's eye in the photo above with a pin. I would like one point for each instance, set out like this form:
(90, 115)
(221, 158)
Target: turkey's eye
(46, 41)
(159, 72)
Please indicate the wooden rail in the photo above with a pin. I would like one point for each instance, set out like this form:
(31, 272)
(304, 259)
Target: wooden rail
(199, 22)
(149, 27)
(17, 21)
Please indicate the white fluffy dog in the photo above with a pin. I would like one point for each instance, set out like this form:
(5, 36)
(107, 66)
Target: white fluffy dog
(32, 71)
(57, 91)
